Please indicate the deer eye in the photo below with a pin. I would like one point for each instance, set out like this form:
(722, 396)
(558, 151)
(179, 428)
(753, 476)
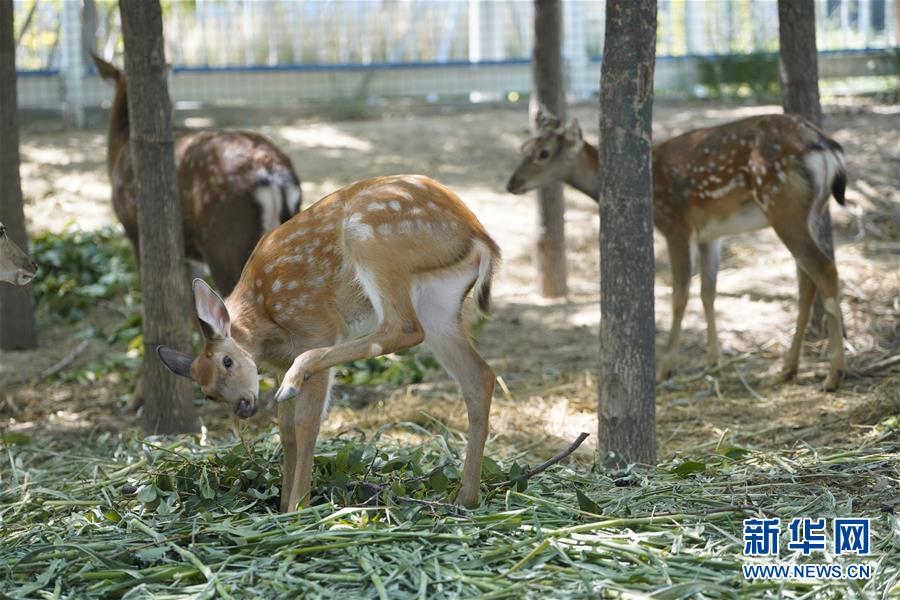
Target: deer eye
(227, 362)
(544, 154)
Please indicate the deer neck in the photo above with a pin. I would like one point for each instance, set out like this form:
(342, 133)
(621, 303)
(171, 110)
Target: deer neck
(584, 175)
(118, 132)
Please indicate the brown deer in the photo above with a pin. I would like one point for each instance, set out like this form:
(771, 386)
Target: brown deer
(16, 267)
(234, 185)
(392, 256)
(771, 170)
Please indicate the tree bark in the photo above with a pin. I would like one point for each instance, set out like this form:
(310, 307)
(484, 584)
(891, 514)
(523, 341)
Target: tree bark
(17, 325)
(627, 403)
(549, 90)
(800, 95)
(168, 406)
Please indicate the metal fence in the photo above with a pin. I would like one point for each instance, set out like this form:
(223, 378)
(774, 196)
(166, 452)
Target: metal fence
(288, 52)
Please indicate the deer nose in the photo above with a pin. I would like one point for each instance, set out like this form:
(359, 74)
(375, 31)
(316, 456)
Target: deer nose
(246, 408)
(512, 185)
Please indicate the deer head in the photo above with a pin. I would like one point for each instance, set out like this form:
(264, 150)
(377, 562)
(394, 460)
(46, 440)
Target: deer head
(549, 155)
(223, 370)
(15, 266)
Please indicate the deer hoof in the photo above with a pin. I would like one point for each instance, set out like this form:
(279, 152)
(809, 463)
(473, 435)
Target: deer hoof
(787, 374)
(468, 498)
(834, 380)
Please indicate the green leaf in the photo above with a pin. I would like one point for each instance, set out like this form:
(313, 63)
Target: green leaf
(147, 494)
(438, 481)
(586, 504)
(14, 438)
(689, 467)
(733, 452)
(490, 469)
(206, 488)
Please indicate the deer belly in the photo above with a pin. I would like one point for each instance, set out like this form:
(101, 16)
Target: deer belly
(747, 216)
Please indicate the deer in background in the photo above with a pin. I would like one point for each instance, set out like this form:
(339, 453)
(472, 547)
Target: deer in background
(16, 267)
(400, 251)
(771, 170)
(234, 185)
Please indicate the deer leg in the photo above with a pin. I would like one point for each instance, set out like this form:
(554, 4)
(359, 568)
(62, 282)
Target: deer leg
(475, 378)
(680, 257)
(806, 294)
(305, 419)
(398, 329)
(438, 304)
(289, 448)
(823, 273)
(710, 254)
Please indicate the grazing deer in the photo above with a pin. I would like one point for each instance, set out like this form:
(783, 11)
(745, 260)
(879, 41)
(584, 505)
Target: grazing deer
(402, 251)
(771, 170)
(235, 186)
(15, 266)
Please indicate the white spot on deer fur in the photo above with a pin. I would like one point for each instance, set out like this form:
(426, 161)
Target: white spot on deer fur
(405, 227)
(278, 306)
(269, 268)
(375, 349)
(376, 206)
(726, 189)
(395, 205)
(259, 299)
(417, 210)
(354, 227)
(276, 285)
(258, 283)
(432, 205)
(385, 229)
(292, 285)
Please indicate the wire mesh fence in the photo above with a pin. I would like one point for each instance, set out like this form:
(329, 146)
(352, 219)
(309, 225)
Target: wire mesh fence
(289, 52)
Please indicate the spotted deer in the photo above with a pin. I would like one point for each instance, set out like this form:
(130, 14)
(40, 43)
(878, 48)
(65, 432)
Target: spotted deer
(234, 187)
(393, 258)
(771, 170)
(16, 267)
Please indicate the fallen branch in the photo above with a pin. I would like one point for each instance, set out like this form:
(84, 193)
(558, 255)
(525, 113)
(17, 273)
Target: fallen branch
(546, 465)
(879, 365)
(66, 361)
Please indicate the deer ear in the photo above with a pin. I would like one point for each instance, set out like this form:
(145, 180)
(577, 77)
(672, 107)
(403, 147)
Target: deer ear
(573, 133)
(107, 71)
(177, 362)
(211, 312)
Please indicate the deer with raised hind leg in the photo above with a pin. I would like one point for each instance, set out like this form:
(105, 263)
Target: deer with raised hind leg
(767, 171)
(16, 267)
(391, 258)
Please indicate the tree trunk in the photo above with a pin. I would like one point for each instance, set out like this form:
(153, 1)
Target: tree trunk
(549, 90)
(168, 406)
(800, 95)
(627, 409)
(17, 326)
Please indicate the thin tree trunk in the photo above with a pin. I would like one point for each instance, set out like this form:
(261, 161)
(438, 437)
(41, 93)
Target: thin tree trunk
(17, 325)
(549, 90)
(800, 95)
(627, 409)
(168, 407)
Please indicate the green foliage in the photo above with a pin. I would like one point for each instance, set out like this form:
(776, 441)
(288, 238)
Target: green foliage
(402, 368)
(78, 268)
(740, 75)
(110, 517)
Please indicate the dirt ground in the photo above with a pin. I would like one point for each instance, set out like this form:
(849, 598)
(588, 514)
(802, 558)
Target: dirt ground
(545, 352)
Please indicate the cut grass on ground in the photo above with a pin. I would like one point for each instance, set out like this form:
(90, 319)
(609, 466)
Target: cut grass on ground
(185, 517)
